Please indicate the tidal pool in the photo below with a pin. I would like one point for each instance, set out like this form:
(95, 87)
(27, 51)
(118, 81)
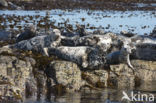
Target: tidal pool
(139, 22)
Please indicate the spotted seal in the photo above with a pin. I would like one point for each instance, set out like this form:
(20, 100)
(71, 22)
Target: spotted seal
(84, 56)
(39, 43)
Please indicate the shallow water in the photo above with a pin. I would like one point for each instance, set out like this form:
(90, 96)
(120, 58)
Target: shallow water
(103, 96)
(139, 22)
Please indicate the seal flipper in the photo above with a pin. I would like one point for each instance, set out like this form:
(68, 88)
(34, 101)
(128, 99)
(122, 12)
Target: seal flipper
(129, 64)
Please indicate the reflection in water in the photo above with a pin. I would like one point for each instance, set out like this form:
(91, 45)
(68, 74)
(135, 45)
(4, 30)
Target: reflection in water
(94, 96)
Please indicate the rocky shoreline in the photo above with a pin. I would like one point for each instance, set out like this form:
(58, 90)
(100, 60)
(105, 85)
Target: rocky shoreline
(121, 5)
(52, 64)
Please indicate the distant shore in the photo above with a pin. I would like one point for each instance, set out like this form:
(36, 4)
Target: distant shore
(121, 5)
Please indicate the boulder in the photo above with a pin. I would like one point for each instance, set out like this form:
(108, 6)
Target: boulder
(65, 73)
(145, 71)
(96, 78)
(127, 34)
(15, 78)
(153, 34)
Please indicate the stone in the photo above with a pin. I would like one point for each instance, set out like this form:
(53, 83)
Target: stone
(145, 71)
(127, 34)
(15, 76)
(153, 34)
(96, 78)
(81, 30)
(65, 73)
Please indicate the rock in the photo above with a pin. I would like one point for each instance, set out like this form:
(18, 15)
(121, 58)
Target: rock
(41, 84)
(127, 34)
(81, 30)
(15, 76)
(144, 71)
(153, 34)
(3, 3)
(65, 73)
(96, 78)
(99, 32)
(126, 81)
(29, 32)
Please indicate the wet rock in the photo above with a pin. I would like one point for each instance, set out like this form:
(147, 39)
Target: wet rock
(65, 73)
(153, 34)
(3, 3)
(126, 81)
(99, 32)
(29, 32)
(41, 85)
(127, 34)
(96, 78)
(15, 78)
(144, 71)
(81, 31)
